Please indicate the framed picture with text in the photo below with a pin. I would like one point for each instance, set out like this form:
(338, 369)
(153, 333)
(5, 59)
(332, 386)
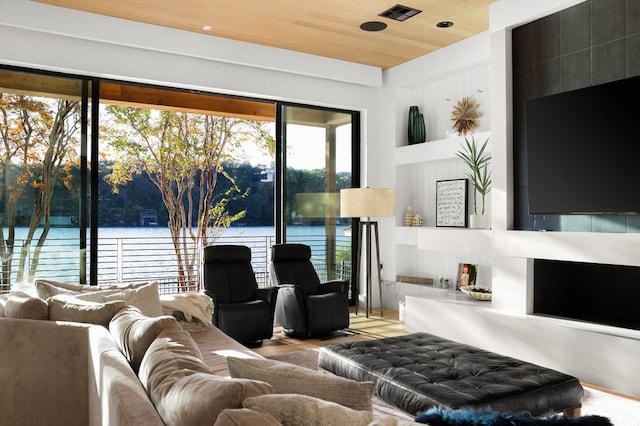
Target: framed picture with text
(452, 203)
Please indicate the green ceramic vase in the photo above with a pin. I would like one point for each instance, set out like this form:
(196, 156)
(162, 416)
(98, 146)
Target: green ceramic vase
(417, 132)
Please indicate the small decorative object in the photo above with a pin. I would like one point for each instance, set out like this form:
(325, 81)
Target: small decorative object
(451, 202)
(477, 292)
(417, 220)
(408, 217)
(444, 282)
(478, 162)
(465, 116)
(417, 132)
(408, 279)
(467, 274)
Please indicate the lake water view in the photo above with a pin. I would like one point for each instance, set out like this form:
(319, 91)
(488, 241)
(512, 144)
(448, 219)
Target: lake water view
(136, 253)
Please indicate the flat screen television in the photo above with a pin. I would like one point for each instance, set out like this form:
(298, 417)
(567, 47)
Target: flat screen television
(583, 150)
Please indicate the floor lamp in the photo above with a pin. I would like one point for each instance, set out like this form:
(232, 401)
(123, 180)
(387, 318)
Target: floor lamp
(368, 203)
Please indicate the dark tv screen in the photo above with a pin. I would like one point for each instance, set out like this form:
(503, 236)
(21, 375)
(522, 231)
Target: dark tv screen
(583, 150)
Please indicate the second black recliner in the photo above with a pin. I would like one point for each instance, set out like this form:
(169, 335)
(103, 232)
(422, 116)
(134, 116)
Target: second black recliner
(305, 306)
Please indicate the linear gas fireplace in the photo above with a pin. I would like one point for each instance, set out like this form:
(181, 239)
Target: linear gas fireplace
(591, 292)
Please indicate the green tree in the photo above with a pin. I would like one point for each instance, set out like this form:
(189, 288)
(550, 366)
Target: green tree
(183, 155)
(37, 152)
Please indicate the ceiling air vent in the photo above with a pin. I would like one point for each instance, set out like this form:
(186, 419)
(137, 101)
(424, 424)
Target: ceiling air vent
(400, 12)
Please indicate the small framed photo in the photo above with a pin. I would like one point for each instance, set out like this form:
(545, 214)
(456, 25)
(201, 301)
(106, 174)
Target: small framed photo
(467, 274)
(451, 202)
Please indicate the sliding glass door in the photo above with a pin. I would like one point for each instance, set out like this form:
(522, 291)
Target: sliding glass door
(317, 156)
(75, 206)
(43, 186)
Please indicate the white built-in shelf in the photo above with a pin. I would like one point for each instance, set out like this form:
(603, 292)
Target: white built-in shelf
(406, 235)
(593, 247)
(442, 149)
(451, 295)
(461, 240)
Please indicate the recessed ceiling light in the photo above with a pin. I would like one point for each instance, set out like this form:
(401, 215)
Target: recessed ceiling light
(444, 24)
(373, 26)
(207, 28)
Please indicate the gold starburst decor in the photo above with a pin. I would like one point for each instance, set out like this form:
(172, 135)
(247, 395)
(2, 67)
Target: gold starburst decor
(465, 116)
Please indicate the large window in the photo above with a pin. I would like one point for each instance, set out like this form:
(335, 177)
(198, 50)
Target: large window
(132, 187)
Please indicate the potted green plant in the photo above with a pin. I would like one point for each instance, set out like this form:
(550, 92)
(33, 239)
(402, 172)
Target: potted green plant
(477, 160)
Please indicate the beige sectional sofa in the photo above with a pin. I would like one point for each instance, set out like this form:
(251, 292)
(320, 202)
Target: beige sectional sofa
(71, 360)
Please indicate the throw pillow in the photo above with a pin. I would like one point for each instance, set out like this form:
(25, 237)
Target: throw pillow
(172, 351)
(440, 416)
(67, 308)
(199, 398)
(244, 416)
(134, 332)
(289, 378)
(290, 409)
(144, 297)
(24, 306)
(47, 288)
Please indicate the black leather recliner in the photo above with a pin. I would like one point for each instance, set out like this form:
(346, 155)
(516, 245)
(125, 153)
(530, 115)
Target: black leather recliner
(305, 306)
(241, 309)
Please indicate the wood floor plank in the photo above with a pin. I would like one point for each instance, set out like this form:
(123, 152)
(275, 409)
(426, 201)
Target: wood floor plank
(360, 328)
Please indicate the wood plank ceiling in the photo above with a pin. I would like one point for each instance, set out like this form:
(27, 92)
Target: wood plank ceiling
(329, 28)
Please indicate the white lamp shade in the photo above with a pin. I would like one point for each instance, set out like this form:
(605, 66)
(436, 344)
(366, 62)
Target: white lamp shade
(367, 202)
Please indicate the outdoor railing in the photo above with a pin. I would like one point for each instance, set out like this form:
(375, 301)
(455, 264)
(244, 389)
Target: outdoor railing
(126, 260)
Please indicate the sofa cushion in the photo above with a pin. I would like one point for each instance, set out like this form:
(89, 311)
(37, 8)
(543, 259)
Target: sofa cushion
(293, 409)
(181, 386)
(116, 396)
(172, 350)
(199, 398)
(289, 378)
(63, 307)
(24, 306)
(145, 297)
(244, 416)
(134, 332)
(44, 373)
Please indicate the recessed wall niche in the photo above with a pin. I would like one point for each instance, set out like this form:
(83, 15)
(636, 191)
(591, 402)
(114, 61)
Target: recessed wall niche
(597, 293)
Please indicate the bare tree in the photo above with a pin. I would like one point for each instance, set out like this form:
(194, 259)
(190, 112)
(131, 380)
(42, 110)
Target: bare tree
(182, 154)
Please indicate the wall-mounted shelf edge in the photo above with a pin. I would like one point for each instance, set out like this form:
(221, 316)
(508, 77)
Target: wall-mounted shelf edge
(593, 247)
(455, 240)
(442, 149)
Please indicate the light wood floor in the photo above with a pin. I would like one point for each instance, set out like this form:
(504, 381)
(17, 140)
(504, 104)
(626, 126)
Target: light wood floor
(363, 328)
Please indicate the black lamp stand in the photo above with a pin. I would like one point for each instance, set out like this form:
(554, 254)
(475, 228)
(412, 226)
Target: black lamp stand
(366, 226)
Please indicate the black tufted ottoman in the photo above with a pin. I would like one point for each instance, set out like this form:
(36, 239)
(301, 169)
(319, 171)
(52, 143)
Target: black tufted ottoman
(419, 371)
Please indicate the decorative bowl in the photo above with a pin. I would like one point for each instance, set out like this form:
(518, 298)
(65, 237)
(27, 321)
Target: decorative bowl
(477, 292)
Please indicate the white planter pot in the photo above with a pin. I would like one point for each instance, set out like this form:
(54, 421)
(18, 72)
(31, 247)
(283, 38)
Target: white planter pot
(479, 221)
